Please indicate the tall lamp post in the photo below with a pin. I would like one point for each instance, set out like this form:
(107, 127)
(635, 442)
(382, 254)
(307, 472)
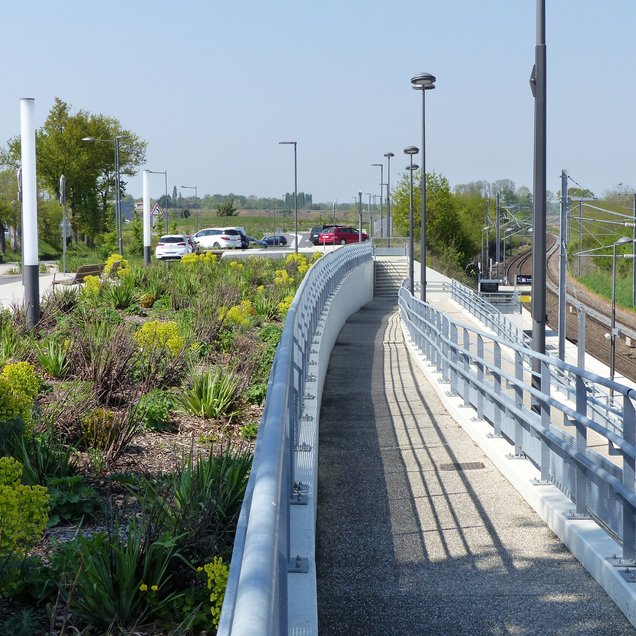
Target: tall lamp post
(196, 216)
(423, 82)
(410, 151)
(506, 233)
(388, 156)
(165, 174)
(381, 166)
(294, 143)
(360, 216)
(118, 215)
(621, 241)
(369, 194)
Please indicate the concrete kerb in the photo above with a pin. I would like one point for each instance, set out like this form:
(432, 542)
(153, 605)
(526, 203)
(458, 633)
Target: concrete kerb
(350, 295)
(590, 544)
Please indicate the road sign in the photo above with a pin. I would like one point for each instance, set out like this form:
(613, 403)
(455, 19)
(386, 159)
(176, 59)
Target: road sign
(65, 226)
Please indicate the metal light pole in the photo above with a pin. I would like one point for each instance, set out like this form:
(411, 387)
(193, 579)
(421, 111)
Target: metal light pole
(539, 90)
(64, 221)
(370, 232)
(118, 215)
(165, 174)
(360, 216)
(388, 156)
(196, 216)
(423, 82)
(295, 143)
(146, 216)
(30, 256)
(410, 151)
(623, 240)
(563, 264)
(381, 166)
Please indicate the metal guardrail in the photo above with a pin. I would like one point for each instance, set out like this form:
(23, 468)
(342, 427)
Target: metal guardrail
(394, 246)
(470, 360)
(256, 594)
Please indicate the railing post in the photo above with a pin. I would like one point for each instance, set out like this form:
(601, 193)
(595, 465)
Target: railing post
(545, 421)
(518, 391)
(629, 475)
(445, 347)
(581, 445)
(466, 382)
(453, 358)
(497, 382)
(480, 377)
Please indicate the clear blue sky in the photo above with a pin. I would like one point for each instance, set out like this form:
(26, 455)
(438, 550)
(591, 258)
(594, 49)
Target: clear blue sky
(213, 85)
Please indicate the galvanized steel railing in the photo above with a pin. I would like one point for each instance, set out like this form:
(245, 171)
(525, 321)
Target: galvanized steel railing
(493, 375)
(256, 594)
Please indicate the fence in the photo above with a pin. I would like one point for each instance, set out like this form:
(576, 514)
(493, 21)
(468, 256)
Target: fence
(256, 599)
(493, 375)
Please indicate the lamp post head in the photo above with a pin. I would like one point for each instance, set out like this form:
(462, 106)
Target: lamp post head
(381, 165)
(623, 240)
(389, 155)
(411, 150)
(414, 167)
(88, 138)
(287, 142)
(423, 79)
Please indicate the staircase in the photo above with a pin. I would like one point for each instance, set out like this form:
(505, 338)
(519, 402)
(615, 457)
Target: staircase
(389, 272)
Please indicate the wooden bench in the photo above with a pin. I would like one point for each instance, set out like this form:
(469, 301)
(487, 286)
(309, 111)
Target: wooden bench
(80, 275)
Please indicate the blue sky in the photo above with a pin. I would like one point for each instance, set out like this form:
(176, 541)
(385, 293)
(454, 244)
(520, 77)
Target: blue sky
(212, 86)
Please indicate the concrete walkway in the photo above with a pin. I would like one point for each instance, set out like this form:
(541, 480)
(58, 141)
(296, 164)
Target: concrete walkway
(417, 532)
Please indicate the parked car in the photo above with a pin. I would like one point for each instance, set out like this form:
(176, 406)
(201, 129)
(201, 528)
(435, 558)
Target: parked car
(215, 238)
(341, 235)
(172, 246)
(258, 242)
(276, 240)
(244, 241)
(314, 234)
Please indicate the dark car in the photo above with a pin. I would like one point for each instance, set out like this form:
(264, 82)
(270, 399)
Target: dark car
(314, 235)
(276, 240)
(258, 242)
(341, 235)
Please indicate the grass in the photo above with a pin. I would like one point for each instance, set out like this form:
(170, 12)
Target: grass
(600, 282)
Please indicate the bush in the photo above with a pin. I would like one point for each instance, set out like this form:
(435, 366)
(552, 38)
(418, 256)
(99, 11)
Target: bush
(212, 395)
(18, 389)
(154, 409)
(23, 510)
(164, 336)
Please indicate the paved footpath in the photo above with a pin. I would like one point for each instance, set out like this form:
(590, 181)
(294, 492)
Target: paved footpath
(417, 532)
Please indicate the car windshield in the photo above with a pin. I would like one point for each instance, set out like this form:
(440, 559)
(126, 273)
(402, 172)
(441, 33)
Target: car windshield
(172, 239)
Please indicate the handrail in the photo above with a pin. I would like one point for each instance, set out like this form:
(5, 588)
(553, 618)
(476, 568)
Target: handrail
(256, 593)
(471, 361)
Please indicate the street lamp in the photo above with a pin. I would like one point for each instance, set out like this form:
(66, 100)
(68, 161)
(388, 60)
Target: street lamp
(360, 216)
(410, 151)
(423, 82)
(623, 240)
(118, 215)
(381, 166)
(388, 156)
(289, 143)
(165, 174)
(196, 216)
(370, 194)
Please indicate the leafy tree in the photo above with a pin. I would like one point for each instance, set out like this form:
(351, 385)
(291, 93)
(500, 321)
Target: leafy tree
(89, 168)
(227, 208)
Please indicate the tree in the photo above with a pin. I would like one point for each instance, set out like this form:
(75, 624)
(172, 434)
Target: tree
(227, 208)
(89, 168)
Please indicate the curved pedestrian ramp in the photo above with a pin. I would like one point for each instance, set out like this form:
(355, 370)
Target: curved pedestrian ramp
(417, 532)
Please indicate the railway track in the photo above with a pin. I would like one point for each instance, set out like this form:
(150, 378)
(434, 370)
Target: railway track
(597, 309)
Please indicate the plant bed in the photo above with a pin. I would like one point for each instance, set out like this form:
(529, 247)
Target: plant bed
(128, 419)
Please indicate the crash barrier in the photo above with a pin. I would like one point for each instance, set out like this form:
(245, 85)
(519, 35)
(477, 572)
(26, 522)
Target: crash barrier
(284, 467)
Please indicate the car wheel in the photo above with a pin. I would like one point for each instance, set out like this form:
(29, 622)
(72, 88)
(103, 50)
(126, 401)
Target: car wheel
(216, 246)
(343, 242)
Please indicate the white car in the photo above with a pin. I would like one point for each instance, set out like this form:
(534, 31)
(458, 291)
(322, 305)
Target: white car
(215, 238)
(172, 246)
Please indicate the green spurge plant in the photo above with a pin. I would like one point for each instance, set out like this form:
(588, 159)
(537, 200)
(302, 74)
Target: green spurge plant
(160, 335)
(218, 573)
(19, 387)
(23, 510)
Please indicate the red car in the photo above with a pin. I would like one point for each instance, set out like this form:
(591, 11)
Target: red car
(341, 235)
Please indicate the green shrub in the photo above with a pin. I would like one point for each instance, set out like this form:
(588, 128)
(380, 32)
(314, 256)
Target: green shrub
(46, 455)
(164, 336)
(71, 499)
(23, 510)
(154, 409)
(249, 431)
(52, 356)
(212, 395)
(19, 387)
